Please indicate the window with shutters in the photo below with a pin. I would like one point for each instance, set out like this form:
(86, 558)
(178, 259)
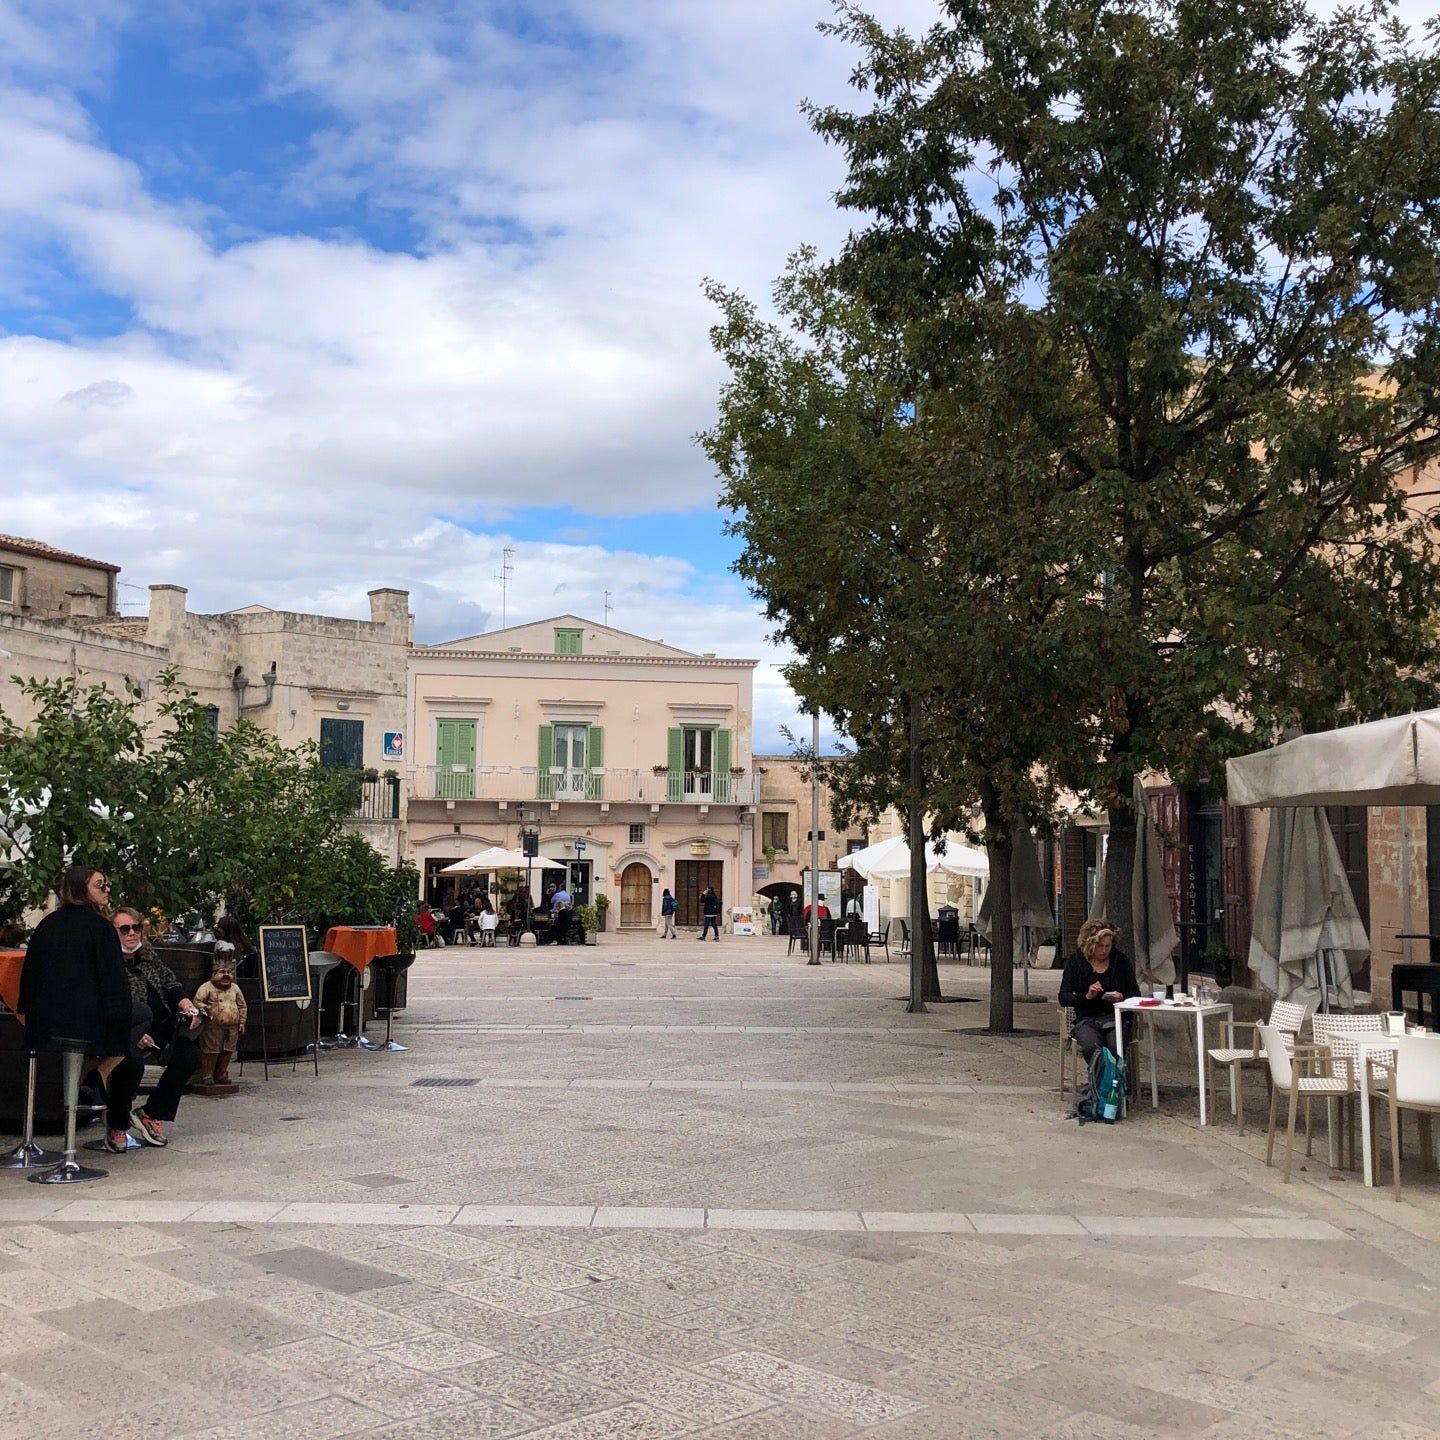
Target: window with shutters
(775, 831)
(454, 759)
(570, 762)
(699, 764)
(342, 744)
(567, 641)
(9, 585)
(637, 834)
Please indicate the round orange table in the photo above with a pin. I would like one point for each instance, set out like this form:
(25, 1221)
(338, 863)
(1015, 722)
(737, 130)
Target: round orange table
(358, 945)
(10, 963)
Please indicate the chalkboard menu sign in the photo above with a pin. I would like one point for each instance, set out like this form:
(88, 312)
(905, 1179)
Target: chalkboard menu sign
(284, 962)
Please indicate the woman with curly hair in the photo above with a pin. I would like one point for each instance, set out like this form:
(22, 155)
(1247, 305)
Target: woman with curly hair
(1096, 976)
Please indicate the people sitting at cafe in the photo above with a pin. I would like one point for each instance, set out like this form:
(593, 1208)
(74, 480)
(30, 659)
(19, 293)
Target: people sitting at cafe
(167, 1023)
(429, 930)
(1096, 976)
(561, 913)
(487, 923)
(824, 912)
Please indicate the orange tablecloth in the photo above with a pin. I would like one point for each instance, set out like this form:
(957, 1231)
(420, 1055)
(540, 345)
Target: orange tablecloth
(359, 945)
(10, 963)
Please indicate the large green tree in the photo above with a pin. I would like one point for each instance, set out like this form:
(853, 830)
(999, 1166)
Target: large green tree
(1223, 220)
(898, 540)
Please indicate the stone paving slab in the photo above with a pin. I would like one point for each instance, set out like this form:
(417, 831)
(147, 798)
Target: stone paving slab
(773, 1208)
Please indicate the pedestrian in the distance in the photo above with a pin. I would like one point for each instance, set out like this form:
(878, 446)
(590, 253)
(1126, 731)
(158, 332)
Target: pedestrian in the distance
(710, 908)
(667, 916)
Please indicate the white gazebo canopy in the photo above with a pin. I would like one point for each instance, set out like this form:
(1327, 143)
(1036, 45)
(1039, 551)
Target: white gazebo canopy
(1395, 761)
(890, 860)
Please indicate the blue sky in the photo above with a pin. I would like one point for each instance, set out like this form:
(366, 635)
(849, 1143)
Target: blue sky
(298, 299)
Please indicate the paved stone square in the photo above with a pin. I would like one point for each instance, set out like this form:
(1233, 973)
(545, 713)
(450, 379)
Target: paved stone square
(686, 1190)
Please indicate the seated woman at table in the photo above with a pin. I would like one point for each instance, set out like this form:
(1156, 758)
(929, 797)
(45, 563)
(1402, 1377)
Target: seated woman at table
(168, 1037)
(1096, 976)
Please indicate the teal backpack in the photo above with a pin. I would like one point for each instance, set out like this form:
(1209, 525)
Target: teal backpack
(1101, 1098)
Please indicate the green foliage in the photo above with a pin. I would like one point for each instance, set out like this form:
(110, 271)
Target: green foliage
(184, 819)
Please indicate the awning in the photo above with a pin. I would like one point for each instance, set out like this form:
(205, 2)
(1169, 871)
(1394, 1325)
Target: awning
(1395, 761)
(497, 858)
(890, 860)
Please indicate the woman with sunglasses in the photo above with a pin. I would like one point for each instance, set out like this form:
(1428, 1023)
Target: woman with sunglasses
(73, 992)
(168, 1036)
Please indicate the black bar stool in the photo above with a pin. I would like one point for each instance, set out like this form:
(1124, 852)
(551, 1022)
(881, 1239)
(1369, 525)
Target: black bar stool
(391, 967)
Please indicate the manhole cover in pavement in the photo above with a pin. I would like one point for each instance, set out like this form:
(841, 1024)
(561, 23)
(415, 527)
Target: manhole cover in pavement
(436, 1082)
(574, 997)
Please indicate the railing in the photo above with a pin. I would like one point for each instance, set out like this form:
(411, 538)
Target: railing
(618, 786)
(378, 798)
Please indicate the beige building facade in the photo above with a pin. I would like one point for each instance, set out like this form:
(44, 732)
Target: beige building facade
(632, 759)
(782, 831)
(334, 681)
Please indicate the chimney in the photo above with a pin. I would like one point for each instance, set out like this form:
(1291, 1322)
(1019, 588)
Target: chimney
(167, 614)
(85, 603)
(391, 608)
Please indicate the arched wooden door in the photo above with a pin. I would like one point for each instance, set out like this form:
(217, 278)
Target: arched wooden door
(635, 894)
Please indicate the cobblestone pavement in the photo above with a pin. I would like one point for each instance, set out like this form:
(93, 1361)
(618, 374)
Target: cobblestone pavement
(711, 1192)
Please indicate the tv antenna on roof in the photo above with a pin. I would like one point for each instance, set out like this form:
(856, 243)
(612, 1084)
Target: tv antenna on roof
(503, 576)
(608, 606)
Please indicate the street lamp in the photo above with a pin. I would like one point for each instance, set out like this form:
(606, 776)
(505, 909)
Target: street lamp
(530, 844)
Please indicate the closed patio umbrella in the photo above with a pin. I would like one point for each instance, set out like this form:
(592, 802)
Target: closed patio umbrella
(1152, 936)
(1307, 934)
(1029, 900)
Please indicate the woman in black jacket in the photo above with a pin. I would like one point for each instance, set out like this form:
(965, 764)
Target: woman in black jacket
(169, 1033)
(1096, 976)
(73, 991)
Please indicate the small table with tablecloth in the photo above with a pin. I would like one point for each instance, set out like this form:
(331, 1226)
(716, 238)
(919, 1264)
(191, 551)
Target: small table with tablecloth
(357, 946)
(11, 962)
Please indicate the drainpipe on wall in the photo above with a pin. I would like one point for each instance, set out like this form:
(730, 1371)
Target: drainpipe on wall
(239, 683)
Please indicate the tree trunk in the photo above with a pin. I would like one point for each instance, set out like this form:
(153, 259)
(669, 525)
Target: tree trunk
(930, 984)
(1120, 877)
(915, 831)
(1000, 849)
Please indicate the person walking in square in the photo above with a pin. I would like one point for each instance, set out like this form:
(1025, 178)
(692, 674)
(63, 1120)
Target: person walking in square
(668, 908)
(710, 908)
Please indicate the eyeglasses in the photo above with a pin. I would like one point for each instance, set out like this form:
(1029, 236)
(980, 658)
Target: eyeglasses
(99, 882)
(128, 929)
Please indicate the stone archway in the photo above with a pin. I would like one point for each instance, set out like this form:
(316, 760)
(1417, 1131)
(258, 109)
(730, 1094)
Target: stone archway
(636, 895)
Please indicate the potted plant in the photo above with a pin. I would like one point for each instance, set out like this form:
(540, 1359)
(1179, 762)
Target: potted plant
(602, 909)
(1220, 962)
(589, 918)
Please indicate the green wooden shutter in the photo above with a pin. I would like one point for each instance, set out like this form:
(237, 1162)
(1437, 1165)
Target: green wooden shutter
(544, 780)
(455, 746)
(675, 762)
(722, 767)
(595, 751)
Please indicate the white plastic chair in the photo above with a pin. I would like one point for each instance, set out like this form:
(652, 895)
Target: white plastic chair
(1340, 1034)
(1306, 1071)
(1414, 1085)
(1284, 1016)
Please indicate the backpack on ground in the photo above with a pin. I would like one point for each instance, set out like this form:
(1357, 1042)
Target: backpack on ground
(1100, 1096)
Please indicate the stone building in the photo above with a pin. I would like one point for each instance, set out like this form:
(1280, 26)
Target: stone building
(631, 757)
(782, 833)
(43, 583)
(338, 682)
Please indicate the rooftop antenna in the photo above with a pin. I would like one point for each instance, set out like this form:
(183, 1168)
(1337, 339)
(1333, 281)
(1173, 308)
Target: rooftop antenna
(503, 576)
(608, 606)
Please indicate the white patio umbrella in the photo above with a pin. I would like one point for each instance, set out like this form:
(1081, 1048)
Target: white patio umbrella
(1152, 934)
(890, 860)
(1307, 935)
(1030, 912)
(498, 858)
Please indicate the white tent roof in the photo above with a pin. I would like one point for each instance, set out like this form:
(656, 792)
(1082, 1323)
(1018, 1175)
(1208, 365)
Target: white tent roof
(890, 860)
(496, 858)
(1395, 761)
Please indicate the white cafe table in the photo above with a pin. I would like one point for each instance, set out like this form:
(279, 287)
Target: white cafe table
(1170, 1010)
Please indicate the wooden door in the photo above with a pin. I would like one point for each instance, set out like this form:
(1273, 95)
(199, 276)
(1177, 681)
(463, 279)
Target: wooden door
(1236, 882)
(691, 878)
(635, 894)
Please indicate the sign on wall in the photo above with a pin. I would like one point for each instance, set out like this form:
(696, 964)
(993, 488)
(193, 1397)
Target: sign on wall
(394, 747)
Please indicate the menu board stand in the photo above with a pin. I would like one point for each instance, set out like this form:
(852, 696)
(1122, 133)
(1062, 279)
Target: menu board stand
(284, 975)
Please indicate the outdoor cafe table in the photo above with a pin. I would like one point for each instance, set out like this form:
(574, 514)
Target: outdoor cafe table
(357, 946)
(1169, 1010)
(1380, 1045)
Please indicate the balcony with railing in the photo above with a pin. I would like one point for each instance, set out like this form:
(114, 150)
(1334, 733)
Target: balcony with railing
(377, 797)
(595, 786)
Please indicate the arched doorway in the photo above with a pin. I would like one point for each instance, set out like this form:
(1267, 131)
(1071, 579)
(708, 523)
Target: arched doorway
(635, 894)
